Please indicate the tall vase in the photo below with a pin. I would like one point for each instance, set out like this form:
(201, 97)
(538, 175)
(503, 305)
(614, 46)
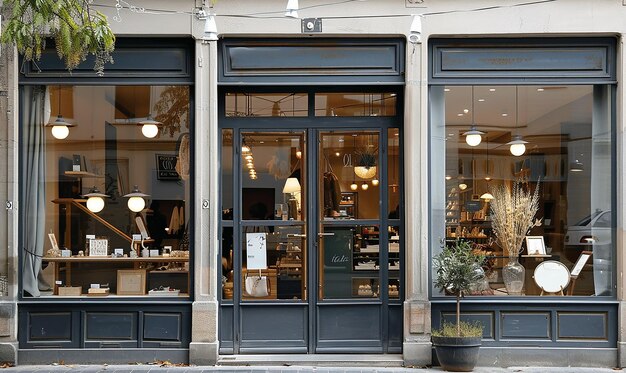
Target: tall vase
(513, 274)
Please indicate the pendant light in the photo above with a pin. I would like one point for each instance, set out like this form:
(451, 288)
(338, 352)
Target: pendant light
(150, 127)
(95, 201)
(487, 196)
(60, 128)
(473, 137)
(136, 201)
(517, 145)
(364, 186)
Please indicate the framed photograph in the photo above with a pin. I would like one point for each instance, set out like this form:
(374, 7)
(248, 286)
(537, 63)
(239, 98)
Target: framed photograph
(131, 282)
(580, 263)
(53, 241)
(99, 247)
(535, 245)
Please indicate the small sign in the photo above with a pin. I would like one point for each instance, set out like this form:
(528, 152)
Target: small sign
(166, 167)
(98, 247)
(472, 206)
(256, 250)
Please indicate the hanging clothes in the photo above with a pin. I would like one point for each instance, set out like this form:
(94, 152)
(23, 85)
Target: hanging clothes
(181, 218)
(332, 194)
(174, 221)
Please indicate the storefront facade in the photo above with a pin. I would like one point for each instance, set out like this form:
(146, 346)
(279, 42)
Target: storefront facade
(278, 129)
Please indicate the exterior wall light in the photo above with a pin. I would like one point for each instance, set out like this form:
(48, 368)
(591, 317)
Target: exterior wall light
(292, 9)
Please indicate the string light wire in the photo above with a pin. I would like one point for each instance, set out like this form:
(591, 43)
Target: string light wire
(279, 14)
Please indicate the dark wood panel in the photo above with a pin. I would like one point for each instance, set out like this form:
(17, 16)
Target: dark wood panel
(581, 325)
(162, 326)
(50, 326)
(532, 325)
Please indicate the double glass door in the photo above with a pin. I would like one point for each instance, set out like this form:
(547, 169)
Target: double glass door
(311, 250)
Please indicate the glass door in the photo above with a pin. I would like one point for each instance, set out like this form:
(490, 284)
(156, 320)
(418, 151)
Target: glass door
(358, 252)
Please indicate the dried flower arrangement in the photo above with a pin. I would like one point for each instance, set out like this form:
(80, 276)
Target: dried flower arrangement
(513, 212)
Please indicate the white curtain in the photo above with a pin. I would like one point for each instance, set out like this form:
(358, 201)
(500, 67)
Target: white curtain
(33, 162)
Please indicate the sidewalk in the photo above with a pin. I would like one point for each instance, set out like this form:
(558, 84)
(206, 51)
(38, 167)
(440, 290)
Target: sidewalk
(144, 368)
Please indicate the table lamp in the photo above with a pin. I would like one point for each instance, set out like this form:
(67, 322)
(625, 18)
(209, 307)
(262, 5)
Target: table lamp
(292, 186)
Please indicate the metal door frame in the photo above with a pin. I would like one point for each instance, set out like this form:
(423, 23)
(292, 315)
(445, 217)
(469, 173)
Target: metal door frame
(312, 126)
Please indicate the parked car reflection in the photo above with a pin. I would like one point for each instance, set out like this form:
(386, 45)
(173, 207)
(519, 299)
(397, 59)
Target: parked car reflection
(594, 233)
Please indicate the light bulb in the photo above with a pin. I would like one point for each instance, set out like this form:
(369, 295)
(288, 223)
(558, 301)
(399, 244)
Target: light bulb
(364, 186)
(462, 186)
(353, 186)
(95, 204)
(518, 146)
(473, 139)
(60, 132)
(298, 154)
(149, 130)
(518, 149)
(136, 204)
(375, 182)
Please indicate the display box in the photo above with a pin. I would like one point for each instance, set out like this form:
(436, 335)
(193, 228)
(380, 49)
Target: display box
(70, 291)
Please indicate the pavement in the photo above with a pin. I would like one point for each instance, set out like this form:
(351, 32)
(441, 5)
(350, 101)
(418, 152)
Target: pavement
(172, 368)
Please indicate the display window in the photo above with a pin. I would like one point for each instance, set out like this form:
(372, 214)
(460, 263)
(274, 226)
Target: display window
(526, 174)
(106, 191)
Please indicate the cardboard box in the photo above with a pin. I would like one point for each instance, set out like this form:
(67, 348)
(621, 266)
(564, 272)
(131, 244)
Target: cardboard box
(70, 291)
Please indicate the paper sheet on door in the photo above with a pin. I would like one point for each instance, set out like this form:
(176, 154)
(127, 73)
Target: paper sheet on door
(256, 245)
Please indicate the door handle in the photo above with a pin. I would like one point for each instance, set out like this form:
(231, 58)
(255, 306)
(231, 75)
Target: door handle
(300, 235)
(325, 234)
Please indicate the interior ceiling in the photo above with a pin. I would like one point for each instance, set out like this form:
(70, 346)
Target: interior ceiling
(541, 110)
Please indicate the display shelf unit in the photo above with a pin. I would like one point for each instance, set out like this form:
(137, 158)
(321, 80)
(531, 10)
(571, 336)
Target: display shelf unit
(68, 265)
(349, 203)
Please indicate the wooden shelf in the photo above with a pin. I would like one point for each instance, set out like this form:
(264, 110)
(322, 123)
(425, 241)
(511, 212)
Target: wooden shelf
(81, 174)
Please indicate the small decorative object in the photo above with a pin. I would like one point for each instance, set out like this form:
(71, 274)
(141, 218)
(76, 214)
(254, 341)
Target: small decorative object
(131, 282)
(70, 291)
(551, 277)
(457, 345)
(99, 247)
(154, 252)
(535, 245)
(133, 254)
(65, 253)
(81, 253)
(53, 241)
(145, 253)
(167, 251)
(513, 215)
(164, 291)
(118, 252)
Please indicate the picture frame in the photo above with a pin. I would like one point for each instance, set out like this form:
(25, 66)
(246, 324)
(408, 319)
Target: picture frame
(53, 241)
(580, 263)
(131, 282)
(535, 245)
(99, 247)
(166, 167)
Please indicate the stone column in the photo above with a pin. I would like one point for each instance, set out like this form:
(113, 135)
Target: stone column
(417, 345)
(204, 346)
(9, 194)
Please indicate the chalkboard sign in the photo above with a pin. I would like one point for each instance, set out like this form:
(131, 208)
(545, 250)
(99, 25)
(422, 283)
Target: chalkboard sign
(166, 167)
(338, 263)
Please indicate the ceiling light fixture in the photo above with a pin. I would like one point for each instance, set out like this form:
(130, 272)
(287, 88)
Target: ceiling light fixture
(136, 201)
(60, 128)
(517, 145)
(149, 127)
(95, 200)
(473, 137)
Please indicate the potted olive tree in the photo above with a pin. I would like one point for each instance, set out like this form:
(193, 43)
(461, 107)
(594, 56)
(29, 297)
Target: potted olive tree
(457, 269)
